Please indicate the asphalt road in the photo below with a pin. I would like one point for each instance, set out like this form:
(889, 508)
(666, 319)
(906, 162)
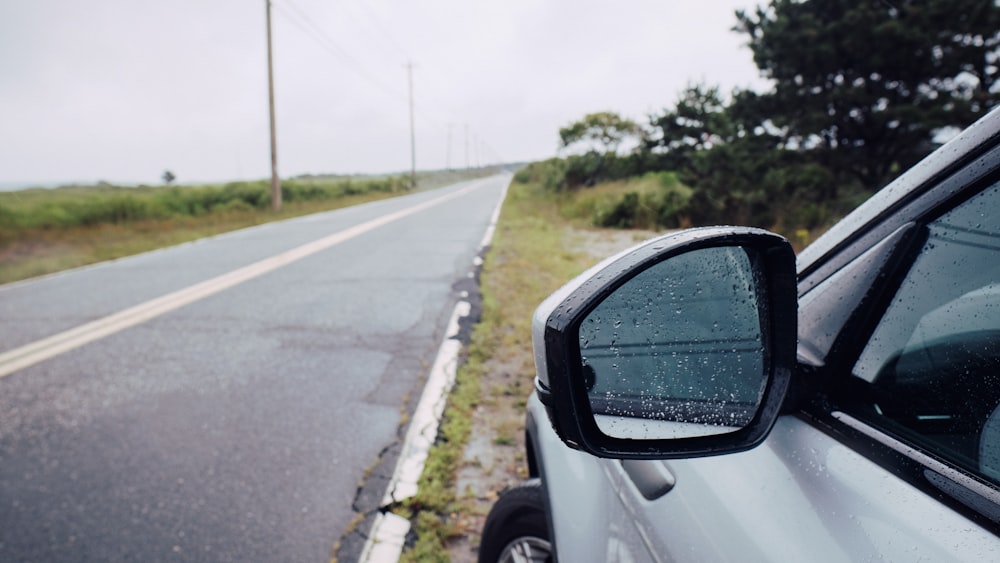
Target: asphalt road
(236, 427)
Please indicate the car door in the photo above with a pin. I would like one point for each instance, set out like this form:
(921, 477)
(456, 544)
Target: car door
(893, 451)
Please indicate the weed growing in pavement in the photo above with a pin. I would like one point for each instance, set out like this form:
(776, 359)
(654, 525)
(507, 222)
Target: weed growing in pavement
(504, 440)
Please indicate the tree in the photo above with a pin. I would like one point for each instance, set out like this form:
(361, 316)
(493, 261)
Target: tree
(868, 84)
(168, 177)
(601, 135)
(730, 152)
(603, 131)
(698, 121)
(702, 119)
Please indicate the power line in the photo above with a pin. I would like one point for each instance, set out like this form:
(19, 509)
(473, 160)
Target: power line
(297, 17)
(307, 24)
(377, 24)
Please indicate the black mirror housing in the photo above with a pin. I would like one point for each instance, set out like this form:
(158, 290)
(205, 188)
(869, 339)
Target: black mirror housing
(714, 340)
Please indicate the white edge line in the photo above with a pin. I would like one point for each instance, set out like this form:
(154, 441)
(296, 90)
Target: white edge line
(423, 427)
(392, 530)
(494, 218)
(388, 532)
(383, 544)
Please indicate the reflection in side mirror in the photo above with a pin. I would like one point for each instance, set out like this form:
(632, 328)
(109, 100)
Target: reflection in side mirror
(680, 347)
(677, 351)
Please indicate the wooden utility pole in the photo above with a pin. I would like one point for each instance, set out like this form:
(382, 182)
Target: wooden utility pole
(413, 138)
(447, 161)
(275, 184)
(475, 149)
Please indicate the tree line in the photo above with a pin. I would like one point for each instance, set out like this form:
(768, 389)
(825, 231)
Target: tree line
(859, 91)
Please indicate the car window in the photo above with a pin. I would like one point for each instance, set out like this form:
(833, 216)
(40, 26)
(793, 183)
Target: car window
(930, 374)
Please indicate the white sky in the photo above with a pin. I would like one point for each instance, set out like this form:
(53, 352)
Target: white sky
(121, 90)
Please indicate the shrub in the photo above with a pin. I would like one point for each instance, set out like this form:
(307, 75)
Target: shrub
(523, 175)
(624, 215)
(256, 195)
(550, 174)
(233, 206)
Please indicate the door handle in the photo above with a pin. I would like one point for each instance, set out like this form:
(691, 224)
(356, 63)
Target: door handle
(652, 478)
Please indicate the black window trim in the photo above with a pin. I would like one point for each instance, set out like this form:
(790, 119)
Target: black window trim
(974, 147)
(943, 468)
(920, 209)
(859, 327)
(955, 488)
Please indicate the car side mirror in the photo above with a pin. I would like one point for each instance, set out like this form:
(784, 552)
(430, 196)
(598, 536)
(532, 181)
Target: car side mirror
(680, 347)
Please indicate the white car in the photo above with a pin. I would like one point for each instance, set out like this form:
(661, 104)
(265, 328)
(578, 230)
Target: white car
(705, 396)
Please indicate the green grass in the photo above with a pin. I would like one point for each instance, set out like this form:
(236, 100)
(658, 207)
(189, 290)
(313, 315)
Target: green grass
(85, 206)
(29, 252)
(49, 230)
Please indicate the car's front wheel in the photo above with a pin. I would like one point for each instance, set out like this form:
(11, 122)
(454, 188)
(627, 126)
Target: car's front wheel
(516, 530)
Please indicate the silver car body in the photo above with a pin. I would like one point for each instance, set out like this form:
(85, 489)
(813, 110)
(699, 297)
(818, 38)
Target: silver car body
(802, 495)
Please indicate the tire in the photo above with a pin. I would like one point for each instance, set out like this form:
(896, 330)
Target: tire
(516, 528)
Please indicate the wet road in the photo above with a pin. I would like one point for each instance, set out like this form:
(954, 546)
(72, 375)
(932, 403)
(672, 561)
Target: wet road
(238, 426)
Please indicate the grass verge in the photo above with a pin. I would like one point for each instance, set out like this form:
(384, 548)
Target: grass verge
(531, 256)
(544, 238)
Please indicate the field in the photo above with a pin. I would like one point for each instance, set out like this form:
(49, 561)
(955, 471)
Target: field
(49, 230)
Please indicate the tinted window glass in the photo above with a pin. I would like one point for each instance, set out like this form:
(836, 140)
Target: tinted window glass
(931, 372)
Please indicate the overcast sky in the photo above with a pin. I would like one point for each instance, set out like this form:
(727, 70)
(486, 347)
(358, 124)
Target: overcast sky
(120, 90)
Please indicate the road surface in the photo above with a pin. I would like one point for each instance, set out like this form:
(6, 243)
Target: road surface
(225, 399)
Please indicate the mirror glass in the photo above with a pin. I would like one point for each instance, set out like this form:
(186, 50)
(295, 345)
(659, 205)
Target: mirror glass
(677, 351)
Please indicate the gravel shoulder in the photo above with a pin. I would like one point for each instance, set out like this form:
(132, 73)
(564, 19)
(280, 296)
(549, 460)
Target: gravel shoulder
(494, 457)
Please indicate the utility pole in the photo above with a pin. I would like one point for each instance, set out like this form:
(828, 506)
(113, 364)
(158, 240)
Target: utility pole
(413, 137)
(275, 184)
(447, 161)
(466, 146)
(475, 149)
